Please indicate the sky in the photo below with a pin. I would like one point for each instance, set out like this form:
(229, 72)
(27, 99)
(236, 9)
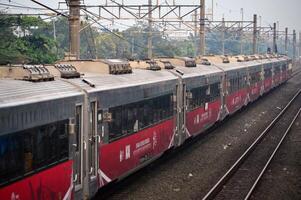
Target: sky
(287, 12)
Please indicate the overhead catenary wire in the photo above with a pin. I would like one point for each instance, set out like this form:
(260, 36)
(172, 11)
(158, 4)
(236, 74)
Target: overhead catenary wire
(111, 32)
(22, 7)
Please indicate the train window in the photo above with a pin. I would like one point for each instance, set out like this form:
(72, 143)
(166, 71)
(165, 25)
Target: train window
(33, 149)
(254, 77)
(267, 72)
(277, 69)
(11, 157)
(215, 91)
(198, 97)
(115, 127)
(78, 118)
(130, 118)
(203, 94)
(237, 83)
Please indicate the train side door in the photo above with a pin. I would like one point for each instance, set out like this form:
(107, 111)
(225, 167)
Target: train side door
(224, 93)
(181, 105)
(78, 149)
(94, 139)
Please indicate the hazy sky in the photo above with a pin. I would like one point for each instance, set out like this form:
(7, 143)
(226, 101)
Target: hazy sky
(287, 12)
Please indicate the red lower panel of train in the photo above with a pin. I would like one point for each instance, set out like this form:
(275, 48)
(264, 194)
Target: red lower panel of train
(268, 84)
(255, 91)
(236, 100)
(277, 79)
(284, 76)
(120, 157)
(53, 183)
(200, 119)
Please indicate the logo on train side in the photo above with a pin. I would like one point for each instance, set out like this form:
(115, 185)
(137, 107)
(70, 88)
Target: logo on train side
(254, 90)
(154, 139)
(14, 196)
(236, 100)
(125, 154)
(127, 151)
(121, 155)
(203, 117)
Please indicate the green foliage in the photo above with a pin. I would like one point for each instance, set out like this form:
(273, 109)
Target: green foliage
(22, 41)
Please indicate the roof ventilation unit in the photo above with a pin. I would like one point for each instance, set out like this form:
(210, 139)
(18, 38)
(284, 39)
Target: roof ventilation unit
(37, 73)
(205, 61)
(246, 58)
(67, 71)
(189, 62)
(167, 64)
(239, 59)
(253, 57)
(153, 65)
(225, 60)
(117, 66)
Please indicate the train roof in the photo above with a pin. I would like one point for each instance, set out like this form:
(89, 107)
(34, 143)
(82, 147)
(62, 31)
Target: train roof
(116, 90)
(233, 63)
(100, 82)
(19, 92)
(199, 70)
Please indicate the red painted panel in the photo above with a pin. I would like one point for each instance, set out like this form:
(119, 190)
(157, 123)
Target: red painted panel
(52, 183)
(236, 100)
(277, 79)
(121, 156)
(198, 119)
(267, 84)
(284, 76)
(254, 90)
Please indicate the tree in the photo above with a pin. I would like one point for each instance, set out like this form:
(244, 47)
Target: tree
(21, 43)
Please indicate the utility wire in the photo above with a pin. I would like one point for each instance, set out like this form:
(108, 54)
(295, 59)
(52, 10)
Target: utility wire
(22, 7)
(53, 10)
(113, 33)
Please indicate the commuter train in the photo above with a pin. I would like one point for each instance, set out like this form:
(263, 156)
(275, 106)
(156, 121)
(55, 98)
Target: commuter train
(68, 129)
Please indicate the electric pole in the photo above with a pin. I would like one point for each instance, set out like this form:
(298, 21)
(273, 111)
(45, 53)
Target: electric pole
(299, 46)
(223, 36)
(54, 30)
(132, 49)
(274, 39)
(286, 41)
(202, 28)
(150, 34)
(195, 16)
(255, 34)
(212, 10)
(258, 36)
(74, 26)
(241, 32)
(294, 46)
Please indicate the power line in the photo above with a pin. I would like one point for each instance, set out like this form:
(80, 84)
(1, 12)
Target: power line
(22, 7)
(49, 8)
(115, 34)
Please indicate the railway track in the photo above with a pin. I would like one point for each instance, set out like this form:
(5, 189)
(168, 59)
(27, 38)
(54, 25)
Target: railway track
(240, 181)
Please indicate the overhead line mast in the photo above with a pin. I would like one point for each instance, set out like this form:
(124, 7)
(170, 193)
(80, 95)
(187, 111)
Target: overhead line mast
(74, 27)
(202, 27)
(150, 28)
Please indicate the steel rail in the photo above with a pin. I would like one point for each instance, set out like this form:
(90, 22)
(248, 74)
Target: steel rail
(218, 186)
(271, 157)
